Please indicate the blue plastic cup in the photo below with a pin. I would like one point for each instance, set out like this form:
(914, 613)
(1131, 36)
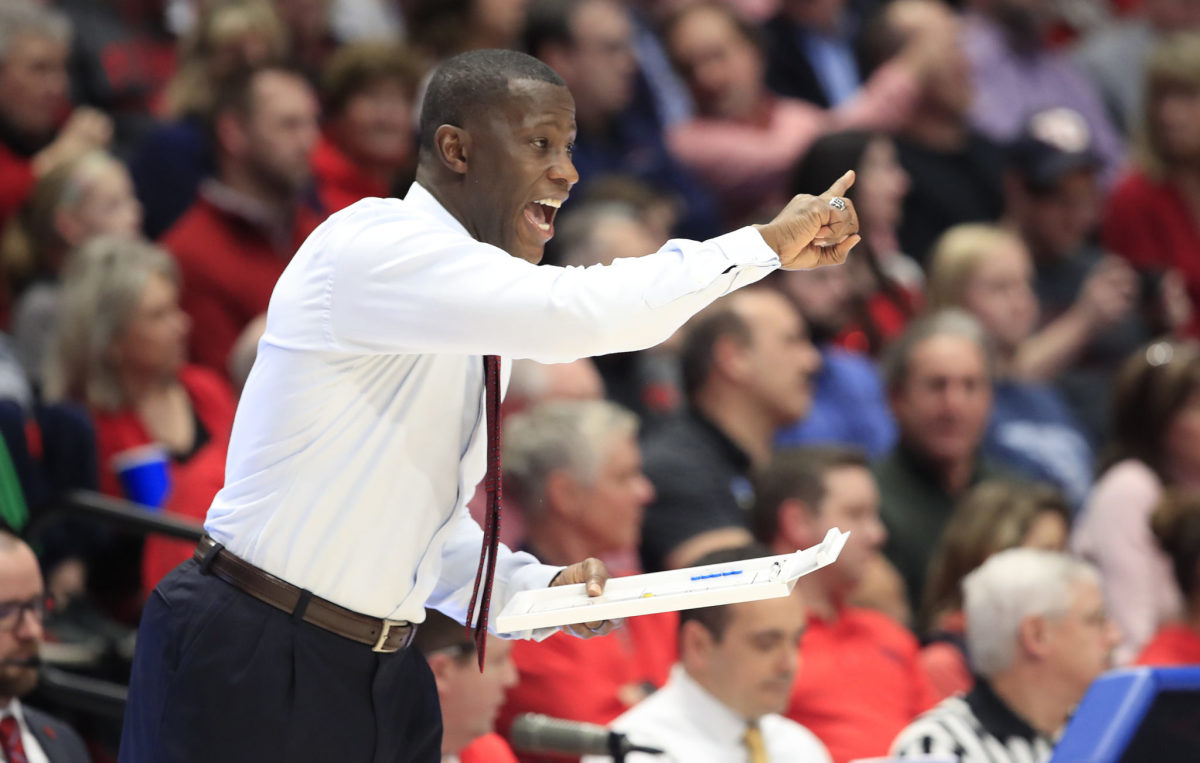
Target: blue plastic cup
(144, 473)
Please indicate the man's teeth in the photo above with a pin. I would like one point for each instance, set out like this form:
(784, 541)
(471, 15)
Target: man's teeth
(544, 227)
(549, 203)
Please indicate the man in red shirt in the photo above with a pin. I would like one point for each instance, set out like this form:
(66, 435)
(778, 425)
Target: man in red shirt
(246, 223)
(859, 681)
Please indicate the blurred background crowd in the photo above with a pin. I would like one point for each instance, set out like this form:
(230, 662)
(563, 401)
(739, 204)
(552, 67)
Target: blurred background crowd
(1009, 359)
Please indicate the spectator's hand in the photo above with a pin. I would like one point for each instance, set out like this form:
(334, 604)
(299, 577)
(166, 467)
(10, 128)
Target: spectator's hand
(1174, 303)
(810, 232)
(1109, 294)
(594, 574)
(87, 129)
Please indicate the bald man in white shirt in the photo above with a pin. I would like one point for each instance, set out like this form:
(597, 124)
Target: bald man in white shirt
(360, 433)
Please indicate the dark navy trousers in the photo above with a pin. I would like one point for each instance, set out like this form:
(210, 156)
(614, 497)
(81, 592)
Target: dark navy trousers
(219, 676)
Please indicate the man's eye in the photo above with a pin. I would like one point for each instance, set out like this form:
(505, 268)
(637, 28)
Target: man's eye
(571, 149)
(541, 142)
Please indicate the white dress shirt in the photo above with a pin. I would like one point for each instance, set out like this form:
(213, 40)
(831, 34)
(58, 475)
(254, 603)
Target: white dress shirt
(691, 725)
(33, 749)
(358, 438)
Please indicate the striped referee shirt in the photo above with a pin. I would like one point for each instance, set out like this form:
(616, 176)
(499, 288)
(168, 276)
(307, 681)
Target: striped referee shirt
(975, 728)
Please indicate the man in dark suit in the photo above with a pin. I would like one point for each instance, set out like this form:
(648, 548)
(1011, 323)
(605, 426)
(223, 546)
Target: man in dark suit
(26, 735)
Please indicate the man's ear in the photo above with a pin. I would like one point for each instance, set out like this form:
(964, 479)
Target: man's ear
(561, 491)
(730, 357)
(797, 525)
(443, 666)
(1033, 636)
(231, 134)
(452, 144)
(695, 645)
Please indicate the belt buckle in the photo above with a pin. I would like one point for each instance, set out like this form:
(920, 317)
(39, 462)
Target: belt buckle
(380, 643)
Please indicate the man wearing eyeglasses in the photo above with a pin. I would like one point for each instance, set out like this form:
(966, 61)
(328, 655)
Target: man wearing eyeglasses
(26, 735)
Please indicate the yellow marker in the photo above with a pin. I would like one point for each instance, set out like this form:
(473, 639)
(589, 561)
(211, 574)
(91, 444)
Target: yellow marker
(647, 595)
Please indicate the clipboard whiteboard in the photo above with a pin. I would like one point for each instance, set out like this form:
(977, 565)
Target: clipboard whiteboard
(711, 585)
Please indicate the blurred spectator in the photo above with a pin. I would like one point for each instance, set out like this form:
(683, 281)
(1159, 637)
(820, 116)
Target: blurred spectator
(736, 667)
(938, 376)
(1176, 526)
(1114, 58)
(955, 171)
(859, 681)
(596, 233)
(993, 516)
(86, 196)
(748, 367)
(1092, 315)
(249, 218)
(574, 471)
(1155, 445)
(26, 734)
(987, 271)
(444, 28)
(162, 426)
(886, 285)
(310, 37)
(744, 140)
(1038, 635)
(33, 102)
(810, 50)
(122, 55)
(849, 407)
(368, 144)
(590, 44)
(1017, 74)
(532, 382)
(1153, 215)
(171, 161)
(469, 698)
(245, 352)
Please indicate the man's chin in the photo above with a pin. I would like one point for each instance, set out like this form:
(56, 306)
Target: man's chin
(17, 681)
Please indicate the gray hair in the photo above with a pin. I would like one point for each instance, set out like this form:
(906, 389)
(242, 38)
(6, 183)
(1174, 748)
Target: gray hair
(1009, 587)
(24, 17)
(102, 287)
(570, 435)
(952, 322)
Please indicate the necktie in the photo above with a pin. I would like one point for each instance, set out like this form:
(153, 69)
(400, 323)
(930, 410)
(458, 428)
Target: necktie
(755, 746)
(491, 530)
(10, 740)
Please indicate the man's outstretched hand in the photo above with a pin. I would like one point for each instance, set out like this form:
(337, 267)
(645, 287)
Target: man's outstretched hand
(811, 232)
(594, 574)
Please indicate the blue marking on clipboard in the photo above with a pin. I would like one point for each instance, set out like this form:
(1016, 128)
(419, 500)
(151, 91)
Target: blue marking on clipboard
(717, 575)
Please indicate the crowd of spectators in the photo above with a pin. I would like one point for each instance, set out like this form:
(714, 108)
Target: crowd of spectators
(998, 394)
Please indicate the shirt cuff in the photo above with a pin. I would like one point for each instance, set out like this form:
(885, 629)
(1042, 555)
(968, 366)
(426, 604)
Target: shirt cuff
(745, 247)
(529, 578)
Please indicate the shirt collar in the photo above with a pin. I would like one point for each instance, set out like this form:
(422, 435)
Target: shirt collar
(729, 448)
(248, 209)
(709, 713)
(997, 717)
(424, 201)
(13, 708)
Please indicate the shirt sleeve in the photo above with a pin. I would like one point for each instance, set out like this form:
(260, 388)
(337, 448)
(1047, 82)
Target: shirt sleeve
(402, 287)
(515, 571)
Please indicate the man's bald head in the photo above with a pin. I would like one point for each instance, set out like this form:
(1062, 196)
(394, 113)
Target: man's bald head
(472, 83)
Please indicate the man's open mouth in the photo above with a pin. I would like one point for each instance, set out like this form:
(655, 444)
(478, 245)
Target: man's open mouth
(540, 215)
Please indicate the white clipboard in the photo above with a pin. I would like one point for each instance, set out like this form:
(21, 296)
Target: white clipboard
(767, 577)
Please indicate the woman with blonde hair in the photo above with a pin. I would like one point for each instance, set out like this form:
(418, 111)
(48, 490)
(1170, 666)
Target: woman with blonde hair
(86, 196)
(1153, 214)
(162, 427)
(996, 515)
(987, 271)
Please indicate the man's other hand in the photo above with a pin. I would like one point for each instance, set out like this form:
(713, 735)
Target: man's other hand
(594, 575)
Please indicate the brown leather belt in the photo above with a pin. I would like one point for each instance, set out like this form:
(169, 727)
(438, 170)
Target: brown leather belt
(381, 635)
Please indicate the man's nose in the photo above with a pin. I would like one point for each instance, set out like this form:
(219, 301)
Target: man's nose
(564, 171)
